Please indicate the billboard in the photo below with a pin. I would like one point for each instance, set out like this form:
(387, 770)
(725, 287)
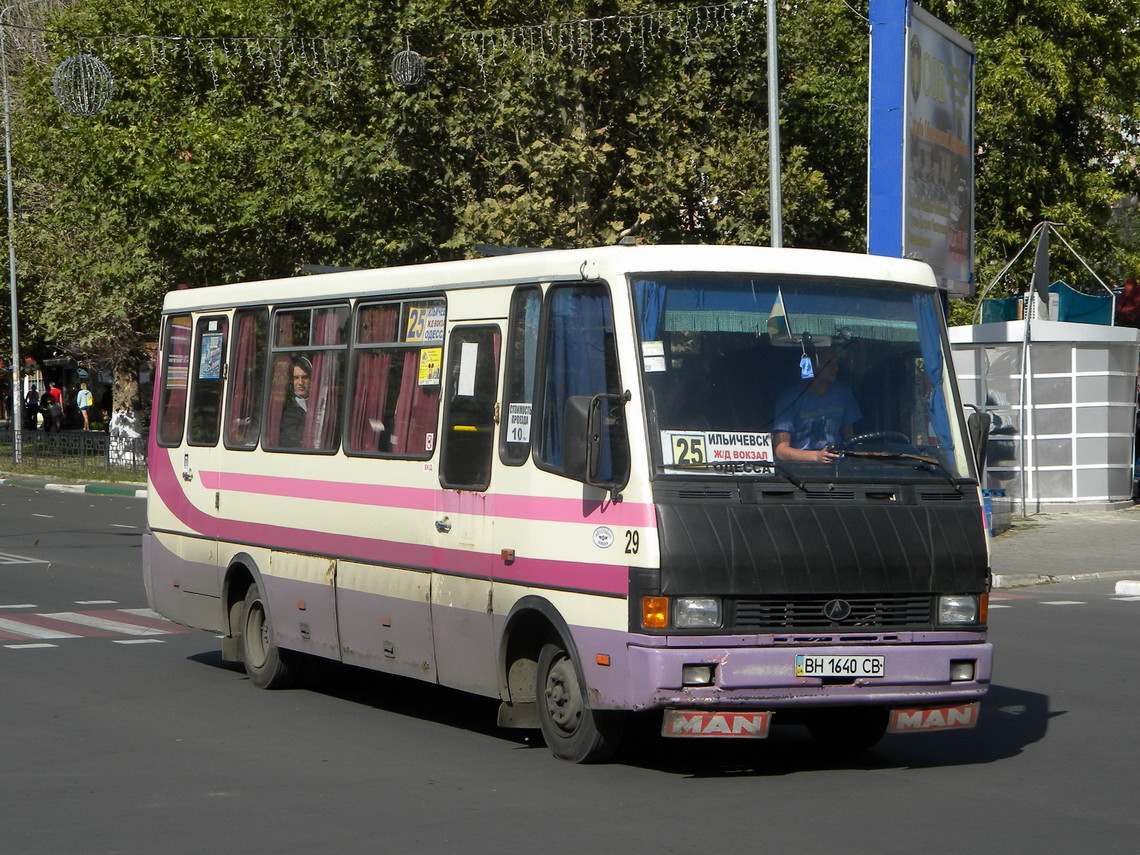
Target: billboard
(921, 148)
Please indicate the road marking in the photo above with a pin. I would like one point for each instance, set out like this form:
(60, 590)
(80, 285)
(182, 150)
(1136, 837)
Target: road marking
(1063, 603)
(96, 602)
(8, 558)
(103, 623)
(138, 641)
(18, 606)
(45, 516)
(30, 630)
(106, 623)
(997, 606)
(29, 646)
(120, 525)
(1126, 599)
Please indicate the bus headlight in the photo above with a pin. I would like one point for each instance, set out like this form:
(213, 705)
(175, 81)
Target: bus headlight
(696, 612)
(958, 610)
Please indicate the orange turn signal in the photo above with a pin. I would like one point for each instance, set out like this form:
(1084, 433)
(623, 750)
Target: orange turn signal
(655, 612)
(984, 608)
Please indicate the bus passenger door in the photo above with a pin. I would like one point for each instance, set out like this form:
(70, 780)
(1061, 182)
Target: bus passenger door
(462, 586)
(199, 461)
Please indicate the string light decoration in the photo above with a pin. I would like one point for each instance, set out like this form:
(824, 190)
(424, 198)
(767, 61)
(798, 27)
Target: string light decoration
(281, 61)
(83, 85)
(332, 60)
(582, 39)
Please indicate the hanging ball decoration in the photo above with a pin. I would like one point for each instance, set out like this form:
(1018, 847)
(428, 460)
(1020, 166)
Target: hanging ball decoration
(408, 68)
(83, 84)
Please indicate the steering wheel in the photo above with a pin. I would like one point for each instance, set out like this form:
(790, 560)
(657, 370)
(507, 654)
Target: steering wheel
(877, 436)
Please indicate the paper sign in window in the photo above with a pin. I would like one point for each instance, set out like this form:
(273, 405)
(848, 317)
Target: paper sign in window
(468, 356)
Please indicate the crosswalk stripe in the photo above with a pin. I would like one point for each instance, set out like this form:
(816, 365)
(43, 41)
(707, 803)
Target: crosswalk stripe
(30, 630)
(105, 624)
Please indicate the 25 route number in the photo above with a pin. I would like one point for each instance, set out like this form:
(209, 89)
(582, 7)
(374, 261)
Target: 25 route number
(689, 450)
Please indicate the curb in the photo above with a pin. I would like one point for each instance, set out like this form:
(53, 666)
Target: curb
(130, 490)
(1026, 580)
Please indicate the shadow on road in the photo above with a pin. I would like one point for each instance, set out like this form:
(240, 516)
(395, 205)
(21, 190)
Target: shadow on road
(1011, 720)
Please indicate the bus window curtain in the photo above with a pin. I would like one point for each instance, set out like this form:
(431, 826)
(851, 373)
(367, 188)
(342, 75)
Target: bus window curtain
(281, 379)
(321, 417)
(580, 325)
(650, 297)
(926, 312)
(243, 425)
(176, 379)
(370, 385)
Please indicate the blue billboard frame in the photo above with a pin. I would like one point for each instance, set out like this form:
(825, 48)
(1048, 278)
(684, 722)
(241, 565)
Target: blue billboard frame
(920, 188)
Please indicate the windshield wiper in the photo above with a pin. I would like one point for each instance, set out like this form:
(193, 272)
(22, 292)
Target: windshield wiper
(925, 462)
(767, 464)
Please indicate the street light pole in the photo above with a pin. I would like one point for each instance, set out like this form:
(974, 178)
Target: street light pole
(776, 201)
(17, 419)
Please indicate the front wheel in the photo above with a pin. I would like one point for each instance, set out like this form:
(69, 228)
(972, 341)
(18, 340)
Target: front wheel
(268, 666)
(571, 729)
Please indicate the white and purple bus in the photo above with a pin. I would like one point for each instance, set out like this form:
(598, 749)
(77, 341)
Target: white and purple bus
(572, 480)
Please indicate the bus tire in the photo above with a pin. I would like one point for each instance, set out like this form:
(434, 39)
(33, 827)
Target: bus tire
(848, 730)
(571, 729)
(268, 666)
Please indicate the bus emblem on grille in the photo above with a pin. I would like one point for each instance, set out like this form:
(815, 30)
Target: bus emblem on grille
(837, 610)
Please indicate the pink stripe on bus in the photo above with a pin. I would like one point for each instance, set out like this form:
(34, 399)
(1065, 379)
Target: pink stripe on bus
(502, 505)
(603, 578)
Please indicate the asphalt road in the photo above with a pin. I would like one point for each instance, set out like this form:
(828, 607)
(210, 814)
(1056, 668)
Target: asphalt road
(120, 741)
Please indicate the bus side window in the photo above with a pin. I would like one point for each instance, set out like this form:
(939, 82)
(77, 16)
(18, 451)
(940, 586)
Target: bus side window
(307, 380)
(175, 380)
(396, 378)
(518, 387)
(579, 358)
(246, 379)
(209, 370)
(469, 418)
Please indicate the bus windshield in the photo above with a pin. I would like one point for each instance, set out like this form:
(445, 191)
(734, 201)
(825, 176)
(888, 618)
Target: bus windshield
(803, 378)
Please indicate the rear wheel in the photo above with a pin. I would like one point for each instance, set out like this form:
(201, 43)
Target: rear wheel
(848, 730)
(268, 666)
(572, 730)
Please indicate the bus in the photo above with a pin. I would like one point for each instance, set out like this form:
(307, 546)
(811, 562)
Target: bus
(569, 480)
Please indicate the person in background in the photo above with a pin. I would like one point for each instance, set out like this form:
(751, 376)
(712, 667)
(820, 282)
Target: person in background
(85, 401)
(292, 430)
(32, 408)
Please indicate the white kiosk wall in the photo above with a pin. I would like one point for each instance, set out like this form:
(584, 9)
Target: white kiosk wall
(1073, 441)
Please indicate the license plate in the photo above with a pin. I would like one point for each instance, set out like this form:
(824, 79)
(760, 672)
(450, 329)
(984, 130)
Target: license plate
(708, 723)
(840, 666)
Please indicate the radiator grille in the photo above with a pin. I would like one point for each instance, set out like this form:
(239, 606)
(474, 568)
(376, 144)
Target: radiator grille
(779, 613)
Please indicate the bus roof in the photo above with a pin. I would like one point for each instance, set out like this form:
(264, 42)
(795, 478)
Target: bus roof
(552, 266)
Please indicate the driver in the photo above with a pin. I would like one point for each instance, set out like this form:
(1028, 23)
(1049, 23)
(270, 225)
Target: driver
(816, 414)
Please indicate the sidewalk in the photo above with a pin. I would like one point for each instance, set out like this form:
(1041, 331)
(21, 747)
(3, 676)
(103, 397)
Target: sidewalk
(102, 488)
(1068, 545)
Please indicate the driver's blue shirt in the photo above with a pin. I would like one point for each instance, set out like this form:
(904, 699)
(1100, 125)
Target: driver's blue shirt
(816, 421)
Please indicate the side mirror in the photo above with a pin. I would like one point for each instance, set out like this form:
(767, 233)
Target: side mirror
(586, 422)
(978, 427)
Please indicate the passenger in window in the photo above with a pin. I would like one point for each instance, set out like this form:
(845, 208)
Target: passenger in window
(816, 414)
(296, 403)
